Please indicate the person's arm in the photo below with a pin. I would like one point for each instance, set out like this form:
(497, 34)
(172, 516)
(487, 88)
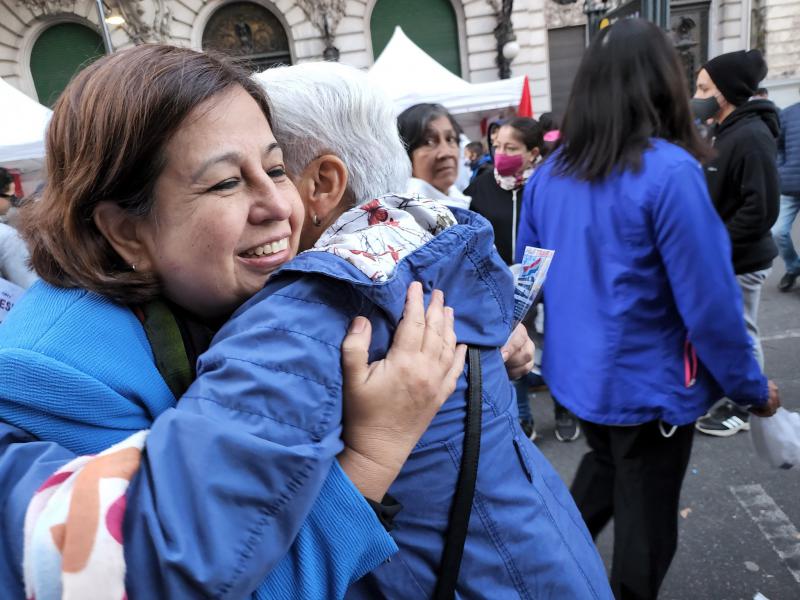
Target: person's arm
(782, 141)
(25, 464)
(695, 250)
(14, 258)
(274, 377)
(760, 190)
(201, 483)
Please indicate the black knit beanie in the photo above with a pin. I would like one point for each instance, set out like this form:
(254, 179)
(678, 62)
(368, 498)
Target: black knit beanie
(737, 74)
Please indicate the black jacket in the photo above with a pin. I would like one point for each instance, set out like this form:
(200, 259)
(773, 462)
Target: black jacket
(743, 182)
(497, 205)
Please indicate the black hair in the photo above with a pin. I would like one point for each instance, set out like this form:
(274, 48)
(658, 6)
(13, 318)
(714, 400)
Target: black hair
(5, 179)
(630, 87)
(476, 147)
(548, 122)
(527, 131)
(762, 91)
(413, 123)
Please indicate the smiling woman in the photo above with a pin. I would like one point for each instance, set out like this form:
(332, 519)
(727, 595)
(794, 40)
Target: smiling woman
(210, 225)
(167, 206)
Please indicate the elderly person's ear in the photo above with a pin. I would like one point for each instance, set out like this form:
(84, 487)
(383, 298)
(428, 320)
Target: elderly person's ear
(322, 186)
(123, 233)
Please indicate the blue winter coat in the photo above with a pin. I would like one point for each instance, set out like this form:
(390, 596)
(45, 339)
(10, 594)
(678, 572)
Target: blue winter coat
(526, 537)
(641, 267)
(215, 506)
(789, 150)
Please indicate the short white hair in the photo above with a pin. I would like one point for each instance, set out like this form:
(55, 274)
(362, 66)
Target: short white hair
(327, 107)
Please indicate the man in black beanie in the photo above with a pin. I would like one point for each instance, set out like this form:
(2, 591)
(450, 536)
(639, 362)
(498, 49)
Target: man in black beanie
(744, 186)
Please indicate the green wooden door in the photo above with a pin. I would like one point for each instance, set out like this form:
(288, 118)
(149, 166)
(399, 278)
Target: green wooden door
(431, 24)
(61, 51)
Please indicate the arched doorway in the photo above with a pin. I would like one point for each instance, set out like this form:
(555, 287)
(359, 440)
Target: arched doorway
(59, 52)
(431, 25)
(250, 33)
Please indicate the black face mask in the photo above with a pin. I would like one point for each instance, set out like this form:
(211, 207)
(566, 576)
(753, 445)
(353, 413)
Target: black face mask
(704, 108)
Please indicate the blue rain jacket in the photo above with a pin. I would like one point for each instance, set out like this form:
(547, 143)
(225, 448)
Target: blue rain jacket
(640, 287)
(279, 356)
(215, 506)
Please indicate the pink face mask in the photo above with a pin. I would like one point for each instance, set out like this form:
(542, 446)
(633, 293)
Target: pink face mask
(507, 164)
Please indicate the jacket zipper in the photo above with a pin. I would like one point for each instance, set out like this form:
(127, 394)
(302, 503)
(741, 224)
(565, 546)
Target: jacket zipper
(513, 226)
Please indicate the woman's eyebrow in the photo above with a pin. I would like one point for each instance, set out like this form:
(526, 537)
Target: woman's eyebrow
(228, 157)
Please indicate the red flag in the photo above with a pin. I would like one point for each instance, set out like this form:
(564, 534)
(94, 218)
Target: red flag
(15, 176)
(525, 108)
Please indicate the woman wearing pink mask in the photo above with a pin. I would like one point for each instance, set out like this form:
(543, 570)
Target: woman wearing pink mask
(497, 194)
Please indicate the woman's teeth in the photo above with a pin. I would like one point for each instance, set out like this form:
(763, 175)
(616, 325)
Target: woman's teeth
(267, 249)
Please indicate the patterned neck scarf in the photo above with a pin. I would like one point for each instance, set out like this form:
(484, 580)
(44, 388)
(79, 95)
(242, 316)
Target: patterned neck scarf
(378, 234)
(513, 182)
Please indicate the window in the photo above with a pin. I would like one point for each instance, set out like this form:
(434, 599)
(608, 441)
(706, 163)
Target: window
(250, 33)
(431, 25)
(58, 53)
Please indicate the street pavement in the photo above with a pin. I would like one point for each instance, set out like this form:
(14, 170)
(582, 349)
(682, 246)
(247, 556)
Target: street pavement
(740, 520)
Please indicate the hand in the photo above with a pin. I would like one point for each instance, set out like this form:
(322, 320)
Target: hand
(389, 404)
(518, 353)
(773, 402)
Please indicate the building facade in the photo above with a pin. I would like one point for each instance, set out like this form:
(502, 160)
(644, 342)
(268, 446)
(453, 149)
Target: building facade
(44, 42)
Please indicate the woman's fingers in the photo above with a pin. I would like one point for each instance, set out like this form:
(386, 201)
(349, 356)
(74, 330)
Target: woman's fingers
(411, 329)
(456, 370)
(355, 349)
(449, 340)
(518, 353)
(435, 323)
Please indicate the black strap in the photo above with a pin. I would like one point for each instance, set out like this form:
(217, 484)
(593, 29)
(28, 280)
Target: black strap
(465, 490)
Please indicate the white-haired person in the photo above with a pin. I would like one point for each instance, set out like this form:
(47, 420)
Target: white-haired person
(364, 243)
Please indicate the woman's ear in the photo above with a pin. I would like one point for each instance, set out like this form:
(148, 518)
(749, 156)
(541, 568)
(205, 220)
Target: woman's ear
(323, 187)
(123, 233)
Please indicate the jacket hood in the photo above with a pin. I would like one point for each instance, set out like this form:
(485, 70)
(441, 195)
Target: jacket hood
(754, 109)
(461, 261)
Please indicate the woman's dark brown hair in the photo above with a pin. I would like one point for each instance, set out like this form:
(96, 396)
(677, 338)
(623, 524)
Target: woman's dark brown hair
(106, 142)
(630, 88)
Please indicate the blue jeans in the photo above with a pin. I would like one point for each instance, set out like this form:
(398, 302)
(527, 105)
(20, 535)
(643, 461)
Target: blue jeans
(782, 232)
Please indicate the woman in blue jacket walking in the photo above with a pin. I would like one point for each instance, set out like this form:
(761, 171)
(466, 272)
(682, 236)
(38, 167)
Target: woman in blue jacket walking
(644, 327)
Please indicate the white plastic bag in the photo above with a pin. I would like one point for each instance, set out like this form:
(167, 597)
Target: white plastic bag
(777, 438)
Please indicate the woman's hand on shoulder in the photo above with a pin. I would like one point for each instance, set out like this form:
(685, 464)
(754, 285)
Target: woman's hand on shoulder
(389, 404)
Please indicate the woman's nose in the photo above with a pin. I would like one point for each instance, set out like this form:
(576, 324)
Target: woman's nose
(269, 203)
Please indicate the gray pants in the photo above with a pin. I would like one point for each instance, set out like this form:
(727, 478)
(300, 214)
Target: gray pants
(751, 284)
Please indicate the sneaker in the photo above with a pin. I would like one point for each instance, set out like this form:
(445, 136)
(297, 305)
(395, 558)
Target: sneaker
(568, 428)
(725, 420)
(787, 281)
(529, 429)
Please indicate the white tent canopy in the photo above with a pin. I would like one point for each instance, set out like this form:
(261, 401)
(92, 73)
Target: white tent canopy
(22, 127)
(411, 76)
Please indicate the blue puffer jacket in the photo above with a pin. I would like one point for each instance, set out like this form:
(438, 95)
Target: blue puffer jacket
(789, 151)
(640, 280)
(526, 537)
(214, 507)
